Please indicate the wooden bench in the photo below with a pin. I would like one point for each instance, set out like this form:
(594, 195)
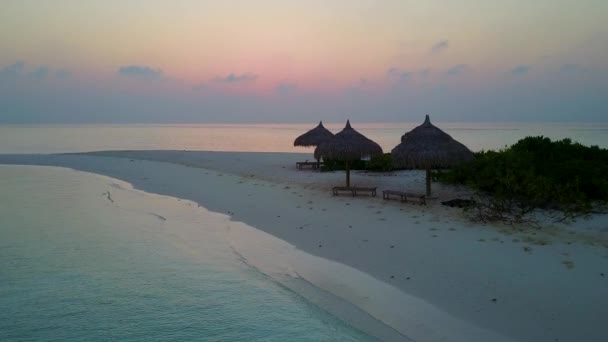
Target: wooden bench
(404, 196)
(314, 165)
(354, 190)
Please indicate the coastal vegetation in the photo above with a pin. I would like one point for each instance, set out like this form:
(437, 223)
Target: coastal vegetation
(562, 178)
(379, 163)
(535, 173)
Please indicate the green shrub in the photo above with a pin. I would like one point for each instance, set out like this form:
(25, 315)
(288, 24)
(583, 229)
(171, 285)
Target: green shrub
(539, 173)
(380, 163)
(336, 165)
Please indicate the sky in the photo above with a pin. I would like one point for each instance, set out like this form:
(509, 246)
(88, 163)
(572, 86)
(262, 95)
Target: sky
(231, 61)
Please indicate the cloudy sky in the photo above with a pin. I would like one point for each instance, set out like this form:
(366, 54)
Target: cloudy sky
(300, 61)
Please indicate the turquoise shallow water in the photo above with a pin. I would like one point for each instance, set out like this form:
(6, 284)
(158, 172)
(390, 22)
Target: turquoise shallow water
(82, 259)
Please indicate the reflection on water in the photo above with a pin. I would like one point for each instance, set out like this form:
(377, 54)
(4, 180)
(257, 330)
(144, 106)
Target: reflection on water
(267, 137)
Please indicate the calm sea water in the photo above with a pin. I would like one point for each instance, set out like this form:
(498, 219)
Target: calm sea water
(83, 257)
(86, 258)
(268, 138)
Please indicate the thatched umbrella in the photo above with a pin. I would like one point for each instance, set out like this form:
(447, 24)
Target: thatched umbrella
(314, 137)
(427, 147)
(347, 146)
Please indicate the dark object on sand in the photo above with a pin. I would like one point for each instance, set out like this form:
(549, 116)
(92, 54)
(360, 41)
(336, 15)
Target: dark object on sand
(427, 147)
(458, 202)
(348, 145)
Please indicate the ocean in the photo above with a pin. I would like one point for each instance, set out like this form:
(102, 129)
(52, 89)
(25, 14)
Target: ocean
(88, 258)
(85, 257)
(268, 137)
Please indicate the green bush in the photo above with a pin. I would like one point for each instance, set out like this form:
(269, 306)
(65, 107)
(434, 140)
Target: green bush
(381, 163)
(539, 173)
(336, 165)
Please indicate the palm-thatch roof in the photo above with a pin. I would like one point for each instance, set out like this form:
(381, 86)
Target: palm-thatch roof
(314, 137)
(347, 145)
(427, 146)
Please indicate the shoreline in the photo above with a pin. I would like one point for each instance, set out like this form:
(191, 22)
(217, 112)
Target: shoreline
(428, 260)
(181, 235)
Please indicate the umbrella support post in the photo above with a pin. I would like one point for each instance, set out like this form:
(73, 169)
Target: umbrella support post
(348, 174)
(428, 183)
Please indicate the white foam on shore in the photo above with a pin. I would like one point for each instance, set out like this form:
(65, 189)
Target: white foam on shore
(198, 232)
(409, 315)
(86, 218)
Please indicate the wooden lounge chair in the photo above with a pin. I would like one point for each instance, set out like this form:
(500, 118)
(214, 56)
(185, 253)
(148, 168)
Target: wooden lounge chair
(354, 190)
(314, 165)
(404, 196)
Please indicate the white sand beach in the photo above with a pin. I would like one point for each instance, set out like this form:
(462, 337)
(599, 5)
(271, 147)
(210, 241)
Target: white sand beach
(425, 271)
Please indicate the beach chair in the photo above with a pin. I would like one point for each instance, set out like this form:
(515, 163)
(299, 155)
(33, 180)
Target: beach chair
(314, 165)
(404, 196)
(354, 190)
